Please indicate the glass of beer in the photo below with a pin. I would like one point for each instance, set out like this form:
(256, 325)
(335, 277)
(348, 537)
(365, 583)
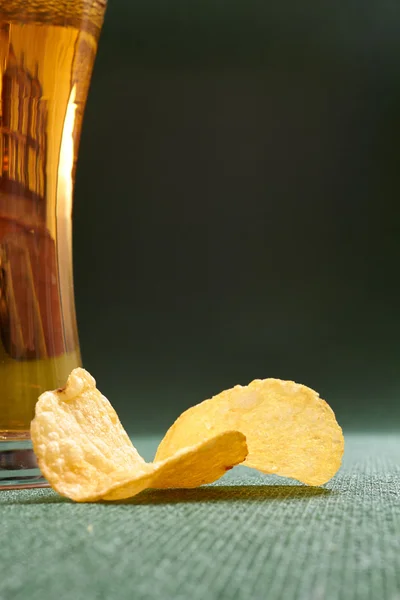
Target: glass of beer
(47, 51)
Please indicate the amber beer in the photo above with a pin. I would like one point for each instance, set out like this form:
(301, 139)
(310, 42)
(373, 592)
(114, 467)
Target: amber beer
(47, 51)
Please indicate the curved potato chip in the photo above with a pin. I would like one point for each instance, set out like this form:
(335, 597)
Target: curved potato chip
(190, 467)
(86, 455)
(289, 429)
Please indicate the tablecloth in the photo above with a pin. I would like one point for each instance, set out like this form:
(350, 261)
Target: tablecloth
(249, 536)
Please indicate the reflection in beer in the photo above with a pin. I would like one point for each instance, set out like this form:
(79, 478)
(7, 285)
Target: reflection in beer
(45, 67)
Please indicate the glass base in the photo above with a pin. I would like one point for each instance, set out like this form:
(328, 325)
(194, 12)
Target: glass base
(18, 466)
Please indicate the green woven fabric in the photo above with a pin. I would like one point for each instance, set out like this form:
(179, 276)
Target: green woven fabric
(246, 537)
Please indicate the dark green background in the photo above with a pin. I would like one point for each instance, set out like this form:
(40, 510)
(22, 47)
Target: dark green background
(237, 205)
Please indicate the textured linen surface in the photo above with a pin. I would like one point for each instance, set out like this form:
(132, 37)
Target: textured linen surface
(247, 537)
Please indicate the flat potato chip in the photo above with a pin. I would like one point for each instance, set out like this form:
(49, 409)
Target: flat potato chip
(289, 429)
(86, 455)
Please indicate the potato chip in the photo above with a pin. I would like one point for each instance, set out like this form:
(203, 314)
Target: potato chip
(85, 453)
(190, 467)
(289, 429)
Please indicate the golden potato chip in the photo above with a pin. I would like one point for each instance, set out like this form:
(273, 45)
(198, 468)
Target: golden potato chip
(85, 453)
(190, 467)
(289, 429)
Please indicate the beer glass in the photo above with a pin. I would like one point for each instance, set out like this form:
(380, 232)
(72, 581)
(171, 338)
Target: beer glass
(47, 51)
